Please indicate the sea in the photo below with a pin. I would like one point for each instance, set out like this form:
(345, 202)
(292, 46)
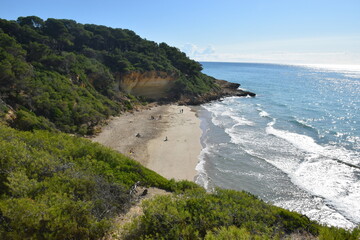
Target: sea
(295, 145)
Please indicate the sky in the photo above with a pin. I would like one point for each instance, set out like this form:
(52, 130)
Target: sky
(266, 31)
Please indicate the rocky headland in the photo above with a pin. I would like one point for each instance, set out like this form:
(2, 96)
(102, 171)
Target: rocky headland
(159, 86)
(225, 89)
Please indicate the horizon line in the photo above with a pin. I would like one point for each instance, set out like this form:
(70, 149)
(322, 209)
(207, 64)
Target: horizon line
(332, 66)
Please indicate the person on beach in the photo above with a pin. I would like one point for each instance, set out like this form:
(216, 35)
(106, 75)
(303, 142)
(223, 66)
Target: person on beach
(138, 135)
(165, 139)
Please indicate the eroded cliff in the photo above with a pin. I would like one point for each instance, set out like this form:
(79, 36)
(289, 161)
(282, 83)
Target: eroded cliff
(152, 84)
(156, 85)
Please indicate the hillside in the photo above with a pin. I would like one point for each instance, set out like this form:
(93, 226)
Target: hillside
(59, 74)
(59, 77)
(55, 186)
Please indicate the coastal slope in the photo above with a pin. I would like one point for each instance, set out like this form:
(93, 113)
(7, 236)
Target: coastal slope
(58, 77)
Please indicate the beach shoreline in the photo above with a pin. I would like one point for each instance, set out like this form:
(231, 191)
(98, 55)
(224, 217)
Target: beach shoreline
(164, 138)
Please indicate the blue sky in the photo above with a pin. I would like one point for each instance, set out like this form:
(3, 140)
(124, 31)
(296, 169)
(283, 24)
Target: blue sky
(277, 31)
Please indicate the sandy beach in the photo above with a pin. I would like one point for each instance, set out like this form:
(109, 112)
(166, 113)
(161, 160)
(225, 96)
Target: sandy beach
(164, 138)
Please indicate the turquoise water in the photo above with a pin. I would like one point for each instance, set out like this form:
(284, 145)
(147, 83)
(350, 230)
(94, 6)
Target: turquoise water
(296, 144)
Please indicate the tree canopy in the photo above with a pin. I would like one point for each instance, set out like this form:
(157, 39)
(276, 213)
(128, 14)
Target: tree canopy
(67, 72)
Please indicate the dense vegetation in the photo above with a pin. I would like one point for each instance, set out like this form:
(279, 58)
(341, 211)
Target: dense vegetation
(60, 76)
(54, 186)
(67, 73)
(224, 214)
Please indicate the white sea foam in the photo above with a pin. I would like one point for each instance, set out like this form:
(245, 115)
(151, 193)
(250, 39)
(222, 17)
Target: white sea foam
(263, 114)
(239, 172)
(217, 122)
(217, 112)
(321, 175)
(300, 141)
(316, 209)
(333, 181)
(242, 121)
(202, 178)
(235, 137)
(309, 145)
(221, 113)
(304, 123)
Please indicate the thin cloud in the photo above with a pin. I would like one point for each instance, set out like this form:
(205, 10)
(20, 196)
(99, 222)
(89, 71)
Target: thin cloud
(198, 53)
(210, 53)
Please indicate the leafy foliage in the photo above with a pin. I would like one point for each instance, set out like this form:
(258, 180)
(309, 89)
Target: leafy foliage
(67, 72)
(29, 121)
(3, 110)
(225, 214)
(54, 186)
(232, 232)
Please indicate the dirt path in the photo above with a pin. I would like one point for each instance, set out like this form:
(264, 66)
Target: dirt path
(135, 211)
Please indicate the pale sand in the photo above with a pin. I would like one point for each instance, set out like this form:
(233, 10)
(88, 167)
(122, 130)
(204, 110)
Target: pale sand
(175, 158)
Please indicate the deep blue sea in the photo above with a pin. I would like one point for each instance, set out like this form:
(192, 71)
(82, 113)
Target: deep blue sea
(289, 145)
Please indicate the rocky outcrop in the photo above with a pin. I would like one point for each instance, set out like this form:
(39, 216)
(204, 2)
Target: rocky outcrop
(152, 85)
(225, 89)
(155, 85)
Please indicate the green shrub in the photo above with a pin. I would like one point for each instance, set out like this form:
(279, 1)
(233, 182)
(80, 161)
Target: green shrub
(333, 233)
(234, 233)
(27, 121)
(54, 186)
(194, 213)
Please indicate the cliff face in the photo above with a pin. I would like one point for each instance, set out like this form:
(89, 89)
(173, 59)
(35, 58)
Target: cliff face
(152, 84)
(155, 85)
